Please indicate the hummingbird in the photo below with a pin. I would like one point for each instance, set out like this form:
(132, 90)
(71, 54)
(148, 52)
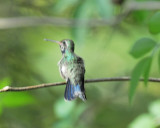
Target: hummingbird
(72, 69)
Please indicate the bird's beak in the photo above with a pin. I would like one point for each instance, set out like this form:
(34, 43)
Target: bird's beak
(60, 43)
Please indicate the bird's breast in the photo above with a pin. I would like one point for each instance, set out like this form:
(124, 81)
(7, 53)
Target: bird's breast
(64, 69)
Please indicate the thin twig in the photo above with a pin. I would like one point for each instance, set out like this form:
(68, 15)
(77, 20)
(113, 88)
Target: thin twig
(9, 88)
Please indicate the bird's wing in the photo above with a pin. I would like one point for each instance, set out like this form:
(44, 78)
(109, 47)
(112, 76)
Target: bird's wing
(76, 71)
(81, 63)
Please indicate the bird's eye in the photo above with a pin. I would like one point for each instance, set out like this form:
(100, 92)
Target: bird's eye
(64, 42)
(62, 48)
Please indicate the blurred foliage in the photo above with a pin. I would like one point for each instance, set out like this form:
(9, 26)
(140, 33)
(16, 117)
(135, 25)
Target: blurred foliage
(150, 119)
(25, 59)
(139, 49)
(69, 113)
(15, 61)
(13, 99)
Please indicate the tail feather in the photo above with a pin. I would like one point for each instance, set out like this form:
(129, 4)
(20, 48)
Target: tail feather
(73, 91)
(69, 91)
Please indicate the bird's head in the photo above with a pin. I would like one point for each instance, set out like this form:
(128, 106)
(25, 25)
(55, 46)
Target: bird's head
(65, 45)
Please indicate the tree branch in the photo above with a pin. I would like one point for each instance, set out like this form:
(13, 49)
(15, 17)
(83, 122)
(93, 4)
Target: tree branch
(6, 23)
(143, 5)
(9, 88)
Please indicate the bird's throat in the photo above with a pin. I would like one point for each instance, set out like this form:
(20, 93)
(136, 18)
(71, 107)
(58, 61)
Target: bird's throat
(69, 56)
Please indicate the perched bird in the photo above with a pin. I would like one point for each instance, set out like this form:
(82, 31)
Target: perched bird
(72, 69)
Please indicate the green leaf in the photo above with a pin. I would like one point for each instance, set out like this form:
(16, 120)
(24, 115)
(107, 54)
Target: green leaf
(147, 68)
(137, 72)
(142, 46)
(105, 8)
(154, 23)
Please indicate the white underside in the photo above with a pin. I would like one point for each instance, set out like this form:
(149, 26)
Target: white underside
(63, 69)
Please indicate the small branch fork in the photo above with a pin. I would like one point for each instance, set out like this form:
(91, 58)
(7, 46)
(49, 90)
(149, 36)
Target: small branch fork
(114, 79)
